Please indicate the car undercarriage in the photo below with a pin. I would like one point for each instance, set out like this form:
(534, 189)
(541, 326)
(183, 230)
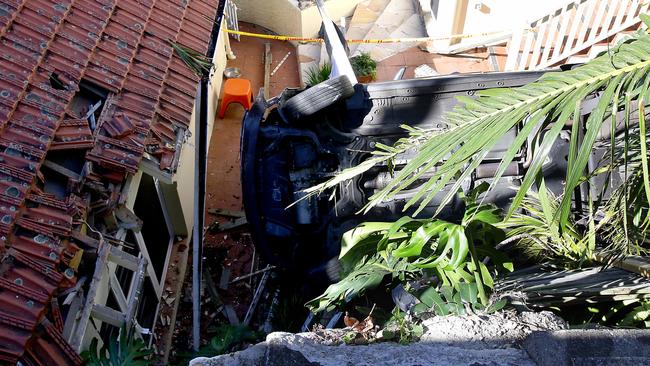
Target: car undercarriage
(284, 152)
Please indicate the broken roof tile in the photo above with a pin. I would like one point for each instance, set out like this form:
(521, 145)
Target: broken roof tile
(73, 134)
(120, 45)
(119, 125)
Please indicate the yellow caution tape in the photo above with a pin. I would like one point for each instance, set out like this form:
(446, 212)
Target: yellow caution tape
(388, 40)
(277, 38)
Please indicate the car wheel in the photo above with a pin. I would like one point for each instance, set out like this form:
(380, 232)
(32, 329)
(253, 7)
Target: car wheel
(318, 97)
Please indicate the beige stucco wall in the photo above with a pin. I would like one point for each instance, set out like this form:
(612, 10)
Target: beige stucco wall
(311, 21)
(283, 16)
(184, 177)
(280, 16)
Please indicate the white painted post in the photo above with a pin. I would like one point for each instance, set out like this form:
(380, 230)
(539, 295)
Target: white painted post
(441, 23)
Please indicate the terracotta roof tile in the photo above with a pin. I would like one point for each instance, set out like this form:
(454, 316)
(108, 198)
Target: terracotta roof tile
(120, 45)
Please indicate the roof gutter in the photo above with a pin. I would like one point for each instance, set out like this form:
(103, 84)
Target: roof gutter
(201, 166)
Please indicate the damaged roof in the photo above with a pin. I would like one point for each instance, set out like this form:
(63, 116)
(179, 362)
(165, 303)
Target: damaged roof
(48, 47)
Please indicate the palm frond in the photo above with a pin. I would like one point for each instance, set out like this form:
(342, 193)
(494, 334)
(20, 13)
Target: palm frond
(198, 63)
(539, 111)
(539, 235)
(625, 228)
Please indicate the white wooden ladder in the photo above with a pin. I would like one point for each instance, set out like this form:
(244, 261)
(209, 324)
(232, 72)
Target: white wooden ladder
(577, 26)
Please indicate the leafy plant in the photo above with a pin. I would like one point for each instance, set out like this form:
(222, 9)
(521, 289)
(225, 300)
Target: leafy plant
(318, 74)
(364, 65)
(454, 302)
(127, 350)
(626, 224)
(197, 62)
(639, 316)
(539, 234)
(228, 335)
(411, 249)
(399, 328)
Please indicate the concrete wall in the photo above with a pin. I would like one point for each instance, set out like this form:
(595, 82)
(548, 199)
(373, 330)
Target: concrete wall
(283, 16)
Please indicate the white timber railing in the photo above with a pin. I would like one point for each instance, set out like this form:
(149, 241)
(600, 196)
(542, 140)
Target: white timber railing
(231, 17)
(577, 26)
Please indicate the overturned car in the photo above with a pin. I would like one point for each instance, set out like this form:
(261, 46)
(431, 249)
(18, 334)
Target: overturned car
(304, 137)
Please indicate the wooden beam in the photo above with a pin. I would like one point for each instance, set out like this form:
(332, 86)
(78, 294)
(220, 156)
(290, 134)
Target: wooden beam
(268, 58)
(71, 320)
(153, 169)
(174, 208)
(117, 291)
(136, 290)
(108, 315)
(458, 25)
(218, 227)
(62, 170)
(84, 315)
(226, 213)
(122, 258)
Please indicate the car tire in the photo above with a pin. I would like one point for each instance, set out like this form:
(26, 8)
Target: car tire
(318, 97)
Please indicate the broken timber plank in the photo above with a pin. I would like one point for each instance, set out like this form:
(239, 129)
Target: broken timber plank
(108, 315)
(225, 278)
(212, 290)
(237, 279)
(267, 68)
(136, 291)
(62, 170)
(231, 314)
(122, 258)
(256, 298)
(226, 213)
(217, 227)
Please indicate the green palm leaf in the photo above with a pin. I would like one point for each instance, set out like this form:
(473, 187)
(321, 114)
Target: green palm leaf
(539, 110)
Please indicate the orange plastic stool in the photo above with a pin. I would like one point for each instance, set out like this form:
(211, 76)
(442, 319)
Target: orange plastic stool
(237, 91)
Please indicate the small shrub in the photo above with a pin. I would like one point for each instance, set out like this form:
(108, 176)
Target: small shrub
(318, 74)
(364, 65)
(127, 350)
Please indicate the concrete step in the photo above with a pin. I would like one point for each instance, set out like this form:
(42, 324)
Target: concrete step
(589, 347)
(412, 27)
(364, 17)
(392, 18)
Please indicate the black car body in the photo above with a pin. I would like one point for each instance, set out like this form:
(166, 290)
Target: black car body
(282, 155)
